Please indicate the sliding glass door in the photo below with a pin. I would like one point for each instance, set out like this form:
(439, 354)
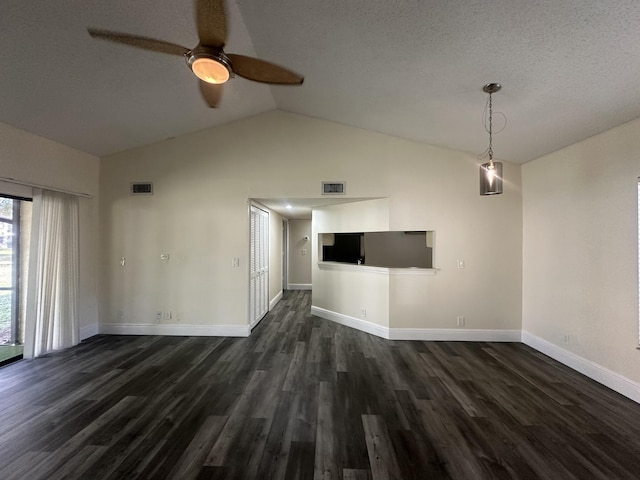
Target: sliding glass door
(12, 261)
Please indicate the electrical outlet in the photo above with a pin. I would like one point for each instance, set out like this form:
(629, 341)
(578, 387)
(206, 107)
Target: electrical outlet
(120, 315)
(304, 251)
(363, 312)
(167, 315)
(460, 321)
(566, 339)
(158, 317)
(235, 262)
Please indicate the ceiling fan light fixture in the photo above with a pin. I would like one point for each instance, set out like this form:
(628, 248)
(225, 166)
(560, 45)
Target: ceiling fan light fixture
(209, 66)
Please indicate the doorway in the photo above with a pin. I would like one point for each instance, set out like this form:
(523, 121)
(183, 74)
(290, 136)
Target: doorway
(15, 227)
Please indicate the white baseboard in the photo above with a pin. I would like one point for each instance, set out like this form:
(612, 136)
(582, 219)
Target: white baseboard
(425, 334)
(298, 286)
(357, 323)
(175, 330)
(89, 331)
(275, 300)
(600, 374)
(454, 335)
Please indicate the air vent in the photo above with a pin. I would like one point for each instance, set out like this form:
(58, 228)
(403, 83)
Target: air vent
(142, 188)
(334, 188)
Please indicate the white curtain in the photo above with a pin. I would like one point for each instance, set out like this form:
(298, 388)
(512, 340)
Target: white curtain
(56, 275)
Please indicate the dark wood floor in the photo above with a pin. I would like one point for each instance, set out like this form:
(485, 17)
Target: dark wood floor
(306, 398)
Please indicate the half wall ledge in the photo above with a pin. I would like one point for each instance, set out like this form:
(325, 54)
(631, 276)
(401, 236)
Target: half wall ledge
(337, 266)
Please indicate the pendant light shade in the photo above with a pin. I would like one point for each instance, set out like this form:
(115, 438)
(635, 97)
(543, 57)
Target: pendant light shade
(491, 178)
(491, 172)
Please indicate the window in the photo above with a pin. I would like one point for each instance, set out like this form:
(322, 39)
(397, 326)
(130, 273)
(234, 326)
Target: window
(15, 221)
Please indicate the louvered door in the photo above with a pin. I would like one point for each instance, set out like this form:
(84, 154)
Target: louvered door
(259, 265)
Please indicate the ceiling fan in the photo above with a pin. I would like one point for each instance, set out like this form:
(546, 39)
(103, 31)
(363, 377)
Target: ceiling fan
(207, 60)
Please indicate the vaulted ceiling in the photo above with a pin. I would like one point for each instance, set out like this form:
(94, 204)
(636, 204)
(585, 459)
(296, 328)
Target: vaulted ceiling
(414, 69)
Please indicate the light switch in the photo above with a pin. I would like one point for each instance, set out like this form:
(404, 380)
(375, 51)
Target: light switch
(235, 262)
(460, 263)
(123, 261)
(164, 257)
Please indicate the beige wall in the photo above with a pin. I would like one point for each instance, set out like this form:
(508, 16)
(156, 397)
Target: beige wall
(347, 292)
(198, 214)
(299, 264)
(581, 249)
(33, 159)
(275, 255)
(484, 231)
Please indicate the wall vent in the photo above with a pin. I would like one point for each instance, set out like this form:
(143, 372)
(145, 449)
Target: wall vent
(142, 188)
(334, 188)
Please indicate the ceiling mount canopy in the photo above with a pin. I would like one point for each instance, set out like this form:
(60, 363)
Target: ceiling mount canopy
(492, 88)
(208, 61)
(491, 172)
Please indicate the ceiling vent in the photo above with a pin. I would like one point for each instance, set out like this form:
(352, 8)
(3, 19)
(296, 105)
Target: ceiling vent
(142, 188)
(334, 188)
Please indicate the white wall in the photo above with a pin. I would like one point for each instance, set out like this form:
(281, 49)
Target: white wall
(199, 214)
(33, 159)
(299, 264)
(580, 251)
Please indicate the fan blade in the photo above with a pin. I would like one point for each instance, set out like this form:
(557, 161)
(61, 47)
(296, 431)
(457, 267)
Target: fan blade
(211, 93)
(212, 23)
(139, 42)
(261, 71)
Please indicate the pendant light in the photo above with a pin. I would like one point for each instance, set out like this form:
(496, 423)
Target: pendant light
(491, 172)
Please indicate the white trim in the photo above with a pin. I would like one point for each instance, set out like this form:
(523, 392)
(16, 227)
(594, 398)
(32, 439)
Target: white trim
(415, 271)
(455, 335)
(353, 322)
(336, 266)
(254, 323)
(175, 330)
(275, 300)
(424, 334)
(89, 331)
(600, 374)
(298, 286)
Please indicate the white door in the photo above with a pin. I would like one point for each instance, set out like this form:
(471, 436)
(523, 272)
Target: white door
(259, 263)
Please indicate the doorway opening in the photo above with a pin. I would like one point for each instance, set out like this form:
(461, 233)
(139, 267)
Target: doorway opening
(15, 229)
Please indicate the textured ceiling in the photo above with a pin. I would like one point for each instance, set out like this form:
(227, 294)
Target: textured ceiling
(411, 68)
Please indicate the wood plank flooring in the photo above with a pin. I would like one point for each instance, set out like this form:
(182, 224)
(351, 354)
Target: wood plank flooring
(304, 398)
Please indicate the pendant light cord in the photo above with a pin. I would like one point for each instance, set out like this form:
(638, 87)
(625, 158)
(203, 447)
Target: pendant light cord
(490, 129)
